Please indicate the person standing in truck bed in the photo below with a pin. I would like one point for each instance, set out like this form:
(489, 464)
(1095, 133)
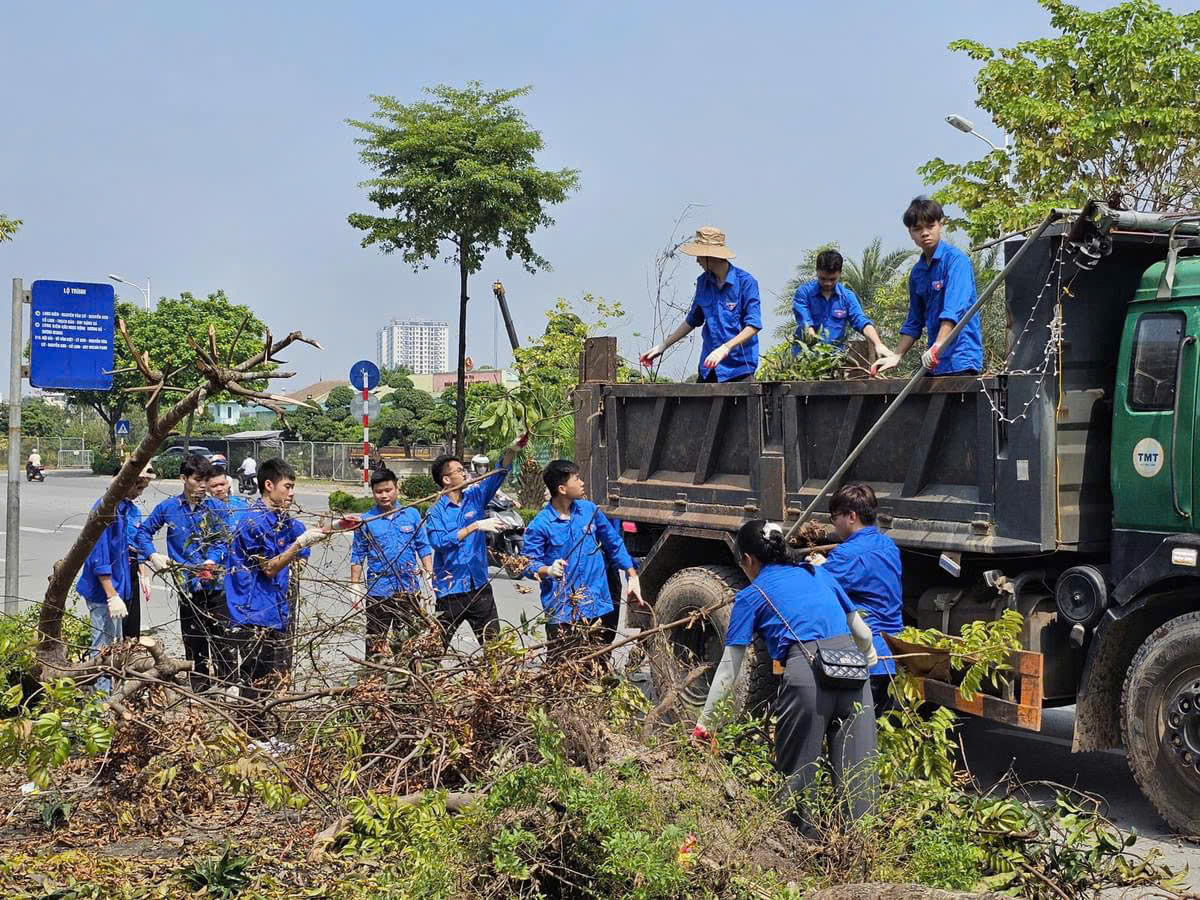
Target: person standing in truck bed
(824, 307)
(941, 288)
(726, 306)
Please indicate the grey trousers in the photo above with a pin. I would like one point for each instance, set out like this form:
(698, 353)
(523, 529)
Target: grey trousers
(817, 722)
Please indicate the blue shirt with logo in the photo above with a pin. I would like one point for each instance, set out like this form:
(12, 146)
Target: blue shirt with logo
(254, 598)
(943, 289)
(588, 542)
(724, 311)
(806, 604)
(195, 534)
(391, 547)
(110, 556)
(827, 316)
(867, 566)
(461, 566)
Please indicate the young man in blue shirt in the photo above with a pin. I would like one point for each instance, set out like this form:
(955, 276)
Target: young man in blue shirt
(104, 581)
(726, 305)
(392, 547)
(456, 525)
(941, 288)
(196, 544)
(570, 543)
(264, 546)
(867, 566)
(823, 307)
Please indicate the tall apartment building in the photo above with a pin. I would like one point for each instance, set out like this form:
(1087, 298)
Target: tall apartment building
(421, 347)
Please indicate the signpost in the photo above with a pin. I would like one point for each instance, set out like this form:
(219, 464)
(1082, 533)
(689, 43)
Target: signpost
(71, 336)
(364, 375)
(122, 429)
(70, 348)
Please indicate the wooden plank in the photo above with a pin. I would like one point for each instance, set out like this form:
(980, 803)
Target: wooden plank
(657, 434)
(598, 360)
(708, 444)
(845, 441)
(924, 447)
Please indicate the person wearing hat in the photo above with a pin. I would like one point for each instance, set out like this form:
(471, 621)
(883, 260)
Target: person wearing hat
(726, 305)
(104, 579)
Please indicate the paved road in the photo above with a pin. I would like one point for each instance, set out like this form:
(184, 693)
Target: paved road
(53, 512)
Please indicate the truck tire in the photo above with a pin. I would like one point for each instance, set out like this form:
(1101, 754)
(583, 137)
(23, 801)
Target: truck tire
(1160, 721)
(696, 588)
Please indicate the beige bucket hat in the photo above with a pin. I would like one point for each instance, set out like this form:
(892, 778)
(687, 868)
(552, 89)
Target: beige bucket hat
(709, 241)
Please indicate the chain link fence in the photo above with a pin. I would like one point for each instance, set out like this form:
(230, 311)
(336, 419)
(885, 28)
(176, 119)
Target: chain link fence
(56, 452)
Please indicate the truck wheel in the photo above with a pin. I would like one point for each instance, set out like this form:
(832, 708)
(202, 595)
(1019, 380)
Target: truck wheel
(693, 589)
(1160, 721)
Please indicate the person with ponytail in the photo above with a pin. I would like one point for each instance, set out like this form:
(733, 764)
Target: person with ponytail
(796, 608)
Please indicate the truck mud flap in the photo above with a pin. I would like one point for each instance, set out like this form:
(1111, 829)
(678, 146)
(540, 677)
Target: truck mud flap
(1020, 707)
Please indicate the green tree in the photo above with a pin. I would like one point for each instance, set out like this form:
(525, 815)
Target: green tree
(1106, 108)
(163, 332)
(867, 277)
(339, 401)
(457, 170)
(396, 378)
(8, 228)
(40, 419)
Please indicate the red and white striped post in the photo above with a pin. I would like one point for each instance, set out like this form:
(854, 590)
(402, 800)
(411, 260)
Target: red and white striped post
(366, 433)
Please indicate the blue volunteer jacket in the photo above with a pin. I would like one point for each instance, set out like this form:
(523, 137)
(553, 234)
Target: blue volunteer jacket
(867, 566)
(194, 534)
(252, 597)
(585, 539)
(110, 556)
(391, 548)
(461, 566)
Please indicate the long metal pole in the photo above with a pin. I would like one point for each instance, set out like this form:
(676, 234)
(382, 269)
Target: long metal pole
(919, 374)
(12, 536)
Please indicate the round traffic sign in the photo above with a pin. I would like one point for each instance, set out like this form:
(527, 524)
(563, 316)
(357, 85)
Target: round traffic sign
(364, 370)
(372, 407)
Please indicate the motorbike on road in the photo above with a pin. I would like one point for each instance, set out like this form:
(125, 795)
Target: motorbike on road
(247, 484)
(34, 473)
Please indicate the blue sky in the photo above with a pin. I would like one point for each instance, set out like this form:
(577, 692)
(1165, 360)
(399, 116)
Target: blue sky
(205, 144)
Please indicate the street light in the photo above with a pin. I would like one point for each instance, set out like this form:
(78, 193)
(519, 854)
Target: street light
(966, 126)
(145, 290)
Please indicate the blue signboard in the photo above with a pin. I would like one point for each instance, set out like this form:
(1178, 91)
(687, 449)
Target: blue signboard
(122, 427)
(71, 339)
(364, 368)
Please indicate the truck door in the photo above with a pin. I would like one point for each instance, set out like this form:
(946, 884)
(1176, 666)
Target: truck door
(1153, 459)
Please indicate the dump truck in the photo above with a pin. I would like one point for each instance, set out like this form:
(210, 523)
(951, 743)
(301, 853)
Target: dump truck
(1063, 486)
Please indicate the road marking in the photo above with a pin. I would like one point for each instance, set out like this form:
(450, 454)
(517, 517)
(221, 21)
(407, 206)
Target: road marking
(33, 530)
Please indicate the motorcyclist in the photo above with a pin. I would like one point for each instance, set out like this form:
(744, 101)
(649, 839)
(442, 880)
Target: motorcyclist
(480, 464)
(33, 466)
(247, 474)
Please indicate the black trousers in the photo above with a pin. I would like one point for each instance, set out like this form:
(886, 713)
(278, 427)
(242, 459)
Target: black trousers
(563, 638)
(258, 659)
(399, 614)
(879, 693)
(132, 625)
(203, 621)
(959, 372)
(817, 722)
(711, 378)
(477, 608)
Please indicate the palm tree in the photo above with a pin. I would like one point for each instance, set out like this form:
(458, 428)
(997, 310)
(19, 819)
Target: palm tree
(866, 278)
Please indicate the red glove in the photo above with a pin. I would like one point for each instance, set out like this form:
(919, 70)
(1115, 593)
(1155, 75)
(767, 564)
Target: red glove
(701, 736)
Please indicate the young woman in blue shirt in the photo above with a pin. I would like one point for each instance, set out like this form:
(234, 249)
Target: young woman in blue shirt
(790, 604)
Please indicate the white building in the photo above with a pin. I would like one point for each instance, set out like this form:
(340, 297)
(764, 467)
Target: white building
(421, 347)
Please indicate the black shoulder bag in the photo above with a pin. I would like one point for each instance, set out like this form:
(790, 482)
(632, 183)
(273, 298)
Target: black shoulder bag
(838, 668)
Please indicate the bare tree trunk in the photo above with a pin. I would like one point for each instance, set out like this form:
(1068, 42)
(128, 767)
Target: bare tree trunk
(461, 402)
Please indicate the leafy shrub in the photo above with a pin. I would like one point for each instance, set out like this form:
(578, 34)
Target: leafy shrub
(106, 465)
(414, 486)
(222, 876)
(528, 514)
(340, 501)
(168, 465)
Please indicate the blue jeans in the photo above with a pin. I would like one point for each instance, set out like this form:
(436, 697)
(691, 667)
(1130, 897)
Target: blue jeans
(105, 631)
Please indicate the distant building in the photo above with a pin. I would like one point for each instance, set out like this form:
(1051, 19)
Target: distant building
(421, 347)
(442, 380)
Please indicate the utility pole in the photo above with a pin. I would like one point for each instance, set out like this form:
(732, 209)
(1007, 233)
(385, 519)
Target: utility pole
(12, 536)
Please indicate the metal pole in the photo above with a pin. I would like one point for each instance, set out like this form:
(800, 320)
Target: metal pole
(919, 374)
(12, 536)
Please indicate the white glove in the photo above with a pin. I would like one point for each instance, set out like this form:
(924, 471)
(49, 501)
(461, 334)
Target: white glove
(555, 569)
(311, 536)
(929, 359)
(117, 608)
(490, 526)
(861, 632)
(159, 562)
(815, 558)
(358, 590)
(633, 590)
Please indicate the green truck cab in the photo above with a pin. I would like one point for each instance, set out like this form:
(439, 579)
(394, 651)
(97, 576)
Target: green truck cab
(1060, 484)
